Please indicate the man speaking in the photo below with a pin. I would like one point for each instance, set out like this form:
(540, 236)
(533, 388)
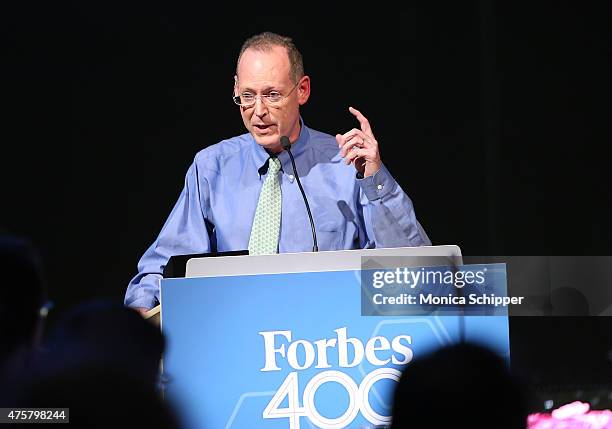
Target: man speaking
(242, 193)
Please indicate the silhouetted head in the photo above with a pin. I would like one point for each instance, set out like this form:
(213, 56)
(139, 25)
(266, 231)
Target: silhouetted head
(106, 333)
(459, 386)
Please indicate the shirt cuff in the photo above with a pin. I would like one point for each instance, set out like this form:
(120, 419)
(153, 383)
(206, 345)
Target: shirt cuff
(377, 185)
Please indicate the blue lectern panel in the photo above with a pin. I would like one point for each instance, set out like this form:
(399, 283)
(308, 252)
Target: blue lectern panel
(292, 350)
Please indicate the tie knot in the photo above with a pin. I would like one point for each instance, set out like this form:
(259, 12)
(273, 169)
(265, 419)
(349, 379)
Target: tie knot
(274, 165)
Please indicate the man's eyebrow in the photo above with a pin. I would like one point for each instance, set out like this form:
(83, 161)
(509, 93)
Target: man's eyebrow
(266, 89)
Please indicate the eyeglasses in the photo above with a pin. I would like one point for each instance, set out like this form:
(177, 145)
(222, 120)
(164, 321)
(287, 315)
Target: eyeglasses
(272, 98)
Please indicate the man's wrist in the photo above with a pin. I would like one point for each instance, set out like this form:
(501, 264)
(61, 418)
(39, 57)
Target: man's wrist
(377, 185)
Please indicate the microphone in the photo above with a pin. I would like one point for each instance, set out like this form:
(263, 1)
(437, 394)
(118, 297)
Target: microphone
(286, 144)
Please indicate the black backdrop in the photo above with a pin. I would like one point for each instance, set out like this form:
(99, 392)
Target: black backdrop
(493, 116)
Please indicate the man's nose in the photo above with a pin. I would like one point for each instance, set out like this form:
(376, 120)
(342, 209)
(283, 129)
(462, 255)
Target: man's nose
(260, 107)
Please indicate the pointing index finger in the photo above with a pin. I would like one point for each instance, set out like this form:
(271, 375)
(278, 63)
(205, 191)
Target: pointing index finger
(363, 121)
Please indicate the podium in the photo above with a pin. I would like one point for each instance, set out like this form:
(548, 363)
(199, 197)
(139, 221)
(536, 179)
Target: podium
(280, 340)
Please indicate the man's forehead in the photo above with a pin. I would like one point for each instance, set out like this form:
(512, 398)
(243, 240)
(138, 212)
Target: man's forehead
(270, 65)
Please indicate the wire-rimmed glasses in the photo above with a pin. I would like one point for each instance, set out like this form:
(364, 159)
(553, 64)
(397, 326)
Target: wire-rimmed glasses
(271, 98)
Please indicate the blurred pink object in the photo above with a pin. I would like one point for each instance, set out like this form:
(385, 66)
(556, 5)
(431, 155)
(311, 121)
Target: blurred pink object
(571, 416)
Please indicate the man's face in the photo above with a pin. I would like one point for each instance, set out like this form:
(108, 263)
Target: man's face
(262, 73)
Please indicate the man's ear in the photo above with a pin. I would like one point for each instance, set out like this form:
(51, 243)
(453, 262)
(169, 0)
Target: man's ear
(303, 90)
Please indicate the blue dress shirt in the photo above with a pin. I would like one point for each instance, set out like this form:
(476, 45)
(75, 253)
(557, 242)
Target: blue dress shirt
(215, 210)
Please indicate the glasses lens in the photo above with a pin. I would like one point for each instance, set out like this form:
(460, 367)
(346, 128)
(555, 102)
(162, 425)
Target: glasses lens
(244, 101)
(274, 98)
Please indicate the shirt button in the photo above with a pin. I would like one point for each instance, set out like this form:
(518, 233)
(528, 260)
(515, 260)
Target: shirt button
(291, 177)
(379, 187)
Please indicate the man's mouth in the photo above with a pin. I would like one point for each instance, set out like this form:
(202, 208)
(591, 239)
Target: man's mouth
(263, 127)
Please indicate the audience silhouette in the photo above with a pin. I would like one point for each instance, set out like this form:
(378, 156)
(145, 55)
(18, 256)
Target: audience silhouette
(101, 360)
(464, 385)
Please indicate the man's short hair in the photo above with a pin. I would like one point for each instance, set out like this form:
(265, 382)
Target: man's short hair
(266, 41)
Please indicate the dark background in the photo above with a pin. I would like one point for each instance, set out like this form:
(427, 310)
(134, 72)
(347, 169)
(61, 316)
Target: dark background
(493, 116)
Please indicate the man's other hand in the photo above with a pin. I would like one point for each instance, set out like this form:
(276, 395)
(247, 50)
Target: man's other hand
(141, 310)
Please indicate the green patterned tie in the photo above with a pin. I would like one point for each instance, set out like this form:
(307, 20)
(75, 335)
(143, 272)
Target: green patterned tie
(266, 225)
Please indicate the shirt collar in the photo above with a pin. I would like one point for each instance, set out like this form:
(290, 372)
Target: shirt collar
(260, 156)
